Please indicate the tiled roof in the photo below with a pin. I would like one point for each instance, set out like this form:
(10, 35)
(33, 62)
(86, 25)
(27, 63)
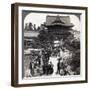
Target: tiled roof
(58, 20)
(31, 33)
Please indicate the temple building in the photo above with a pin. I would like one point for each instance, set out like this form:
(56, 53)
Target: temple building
(59, 26)
(29, 37)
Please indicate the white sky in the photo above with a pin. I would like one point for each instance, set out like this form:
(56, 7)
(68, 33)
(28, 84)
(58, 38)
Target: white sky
(39, 18)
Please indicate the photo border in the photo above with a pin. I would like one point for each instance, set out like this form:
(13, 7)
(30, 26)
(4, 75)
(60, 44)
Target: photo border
(15, 37)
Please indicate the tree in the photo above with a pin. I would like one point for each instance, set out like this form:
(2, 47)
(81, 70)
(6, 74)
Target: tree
(30, 26)
(45, 39)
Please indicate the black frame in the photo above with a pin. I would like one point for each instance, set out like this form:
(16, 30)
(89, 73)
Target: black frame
(14, 43)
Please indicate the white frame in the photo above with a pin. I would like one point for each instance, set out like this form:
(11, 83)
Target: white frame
(49, 79)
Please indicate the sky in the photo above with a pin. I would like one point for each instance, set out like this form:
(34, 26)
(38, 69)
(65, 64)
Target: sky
(39, 18)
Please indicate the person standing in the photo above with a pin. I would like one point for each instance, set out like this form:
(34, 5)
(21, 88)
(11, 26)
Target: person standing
(31, 66)
(58, 66)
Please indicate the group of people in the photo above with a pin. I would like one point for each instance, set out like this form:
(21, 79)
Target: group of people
(48, 69)
(64, 69)
(40, 67)
(35, 66)
(39, 70)
(36, 69)
(61, 67)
